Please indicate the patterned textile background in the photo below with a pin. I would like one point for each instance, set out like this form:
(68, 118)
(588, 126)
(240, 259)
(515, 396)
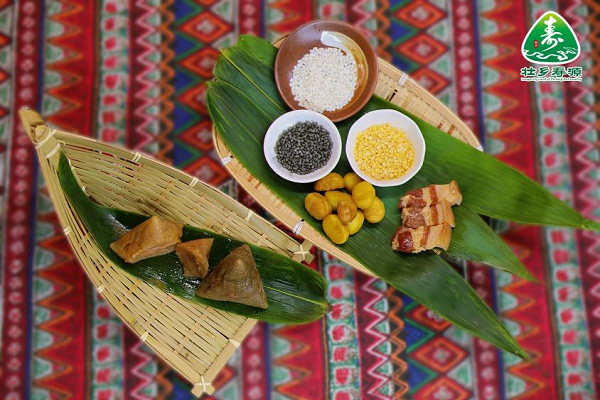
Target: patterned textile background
(133, 73)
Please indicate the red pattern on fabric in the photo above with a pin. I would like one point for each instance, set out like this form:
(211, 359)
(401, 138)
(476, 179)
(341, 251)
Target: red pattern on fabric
(464, 24)
(535, 316)
(369, 337)
(517, 133)
(69, 327)
(250, 17)
(16, 251)
(254, 365)
(78, 113)
(582, 166)
(294, 14)
(140, 66)
(307, 361)
(133, 362)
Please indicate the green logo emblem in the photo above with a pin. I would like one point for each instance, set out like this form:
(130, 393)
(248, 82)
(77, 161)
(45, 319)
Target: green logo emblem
(550, 41)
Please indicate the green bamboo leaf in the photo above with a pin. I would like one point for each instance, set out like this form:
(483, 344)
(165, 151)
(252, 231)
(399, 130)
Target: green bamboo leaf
(473, 239)
(242, 64)
(295, 293)
(479, 244)
(425, 276)
(262, 50)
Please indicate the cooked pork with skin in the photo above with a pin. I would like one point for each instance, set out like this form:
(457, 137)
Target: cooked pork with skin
(235, 279)
(409, 240)
(413, 217)
(153, 237)
(194, 257)
(432, 194)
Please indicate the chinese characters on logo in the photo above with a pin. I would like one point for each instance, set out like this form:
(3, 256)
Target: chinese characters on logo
(549, 37)
(556, 73)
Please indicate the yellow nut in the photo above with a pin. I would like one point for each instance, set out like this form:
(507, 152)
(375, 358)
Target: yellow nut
(346, 210)
(317, 205)
(335, 229)
(351, 180)
(363, 195)
(375, 212)
(356, 223)
(335, 197)
(330, 181)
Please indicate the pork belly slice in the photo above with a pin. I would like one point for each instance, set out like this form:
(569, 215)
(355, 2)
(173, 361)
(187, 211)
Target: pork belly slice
(432, 194)
(194, 257)
(153, 237)
(441, 213)
(409, 240)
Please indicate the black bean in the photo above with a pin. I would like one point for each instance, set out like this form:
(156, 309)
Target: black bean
(304, 148)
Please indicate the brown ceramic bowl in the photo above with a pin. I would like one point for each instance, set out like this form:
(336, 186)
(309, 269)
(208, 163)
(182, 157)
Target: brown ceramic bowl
(309, 35)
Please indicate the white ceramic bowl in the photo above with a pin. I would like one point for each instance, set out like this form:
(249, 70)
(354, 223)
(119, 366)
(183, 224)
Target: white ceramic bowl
(289, 119)
(397, 120)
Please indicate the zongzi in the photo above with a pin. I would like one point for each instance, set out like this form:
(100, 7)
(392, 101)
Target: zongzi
(194, 257)
(432, 194)
(235, 279)
(153, 237)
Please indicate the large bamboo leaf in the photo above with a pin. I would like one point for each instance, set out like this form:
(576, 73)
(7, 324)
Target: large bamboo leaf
(425, 277)
(295, 293)
(473, 240)
(254, 70)
(262, 50)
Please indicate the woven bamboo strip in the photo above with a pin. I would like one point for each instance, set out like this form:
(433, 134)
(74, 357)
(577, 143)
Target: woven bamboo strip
(394, 86)
(194, 339)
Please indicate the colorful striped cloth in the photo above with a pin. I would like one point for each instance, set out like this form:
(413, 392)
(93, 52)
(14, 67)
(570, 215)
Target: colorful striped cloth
(133, 73)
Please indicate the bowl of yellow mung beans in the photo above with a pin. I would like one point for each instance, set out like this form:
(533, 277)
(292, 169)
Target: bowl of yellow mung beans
(385, 148)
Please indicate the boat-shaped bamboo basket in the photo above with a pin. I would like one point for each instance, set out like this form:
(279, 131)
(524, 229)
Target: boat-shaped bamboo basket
(193, 339)
(392, 85)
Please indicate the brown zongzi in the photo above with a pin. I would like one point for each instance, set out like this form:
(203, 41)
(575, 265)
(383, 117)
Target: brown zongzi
(235, 279)
(194, 257)
(153, 237)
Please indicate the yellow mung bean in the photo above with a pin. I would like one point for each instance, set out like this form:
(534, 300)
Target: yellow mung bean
(383, 152)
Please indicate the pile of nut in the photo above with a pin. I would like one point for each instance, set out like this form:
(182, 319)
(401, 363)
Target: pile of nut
(352, 207)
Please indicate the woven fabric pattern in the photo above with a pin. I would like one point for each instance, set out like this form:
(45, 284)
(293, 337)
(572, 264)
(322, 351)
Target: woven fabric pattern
(133, 73)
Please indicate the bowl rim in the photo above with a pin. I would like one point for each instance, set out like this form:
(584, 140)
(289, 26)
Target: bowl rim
(334, 134)
(363, 98)
(351, 139)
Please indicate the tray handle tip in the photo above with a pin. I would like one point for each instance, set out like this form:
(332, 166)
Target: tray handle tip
(31, 120)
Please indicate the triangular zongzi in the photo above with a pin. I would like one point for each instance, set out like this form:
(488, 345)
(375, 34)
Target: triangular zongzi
(194, 257)
(235, 279)
(153, 237)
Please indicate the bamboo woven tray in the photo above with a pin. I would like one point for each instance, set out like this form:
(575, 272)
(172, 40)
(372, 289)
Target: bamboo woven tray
(394, 86)
(195, 340)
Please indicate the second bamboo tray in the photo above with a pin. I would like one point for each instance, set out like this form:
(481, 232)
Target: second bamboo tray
(396, 87)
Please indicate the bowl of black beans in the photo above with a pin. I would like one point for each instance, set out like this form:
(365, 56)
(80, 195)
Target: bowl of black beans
(302, 146)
